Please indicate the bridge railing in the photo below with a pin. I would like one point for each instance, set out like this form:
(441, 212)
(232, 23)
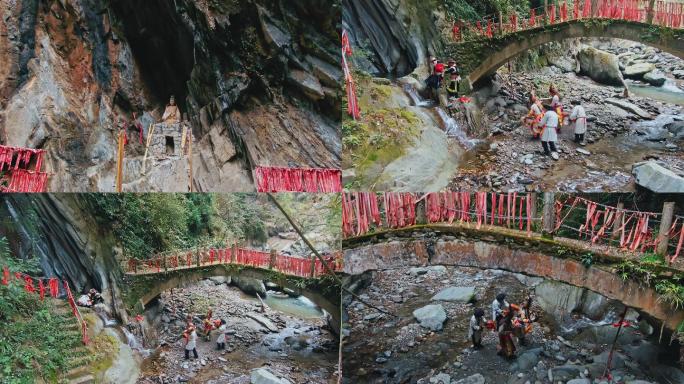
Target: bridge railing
(662, 13)
(290, 265)
(573, 217)
(47, 286)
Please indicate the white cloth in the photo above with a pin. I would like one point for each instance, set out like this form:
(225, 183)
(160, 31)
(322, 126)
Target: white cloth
(550, 122)
(474, 326)
(84, 301)
(555, 101)
(497, 308)
(192, 341)
(222, 334)
(579, 115)
(536, 110)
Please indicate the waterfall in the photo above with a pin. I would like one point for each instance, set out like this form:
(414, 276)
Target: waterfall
(454, 130)
(415, 97)
(133, 342)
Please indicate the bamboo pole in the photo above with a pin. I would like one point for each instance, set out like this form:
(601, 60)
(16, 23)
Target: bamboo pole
(119, 161)
(190, 160)
(150, 132)
(665, 223)
(318, 255)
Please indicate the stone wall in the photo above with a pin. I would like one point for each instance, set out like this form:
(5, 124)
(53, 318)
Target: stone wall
(491, 255)
(166, 140)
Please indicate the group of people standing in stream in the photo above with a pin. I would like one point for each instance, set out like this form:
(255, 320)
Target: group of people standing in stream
(209, 324)
(546, 120)
(508, 320)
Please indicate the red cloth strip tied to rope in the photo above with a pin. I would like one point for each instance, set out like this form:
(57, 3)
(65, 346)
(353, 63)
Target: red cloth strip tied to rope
(352, 102)
(23, 158)
(313, 180)
(21, 180)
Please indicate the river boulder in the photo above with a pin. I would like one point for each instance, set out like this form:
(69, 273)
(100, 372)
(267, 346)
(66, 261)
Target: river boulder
(431, 316)
(638, 70)
(457, 294)
(474, 379)
(250, 285)
(657, 178)
(264, 376)
(601, 66)
(656, 78)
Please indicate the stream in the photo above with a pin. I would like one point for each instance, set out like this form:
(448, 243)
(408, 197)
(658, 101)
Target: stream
(290, 338)
(570, 338)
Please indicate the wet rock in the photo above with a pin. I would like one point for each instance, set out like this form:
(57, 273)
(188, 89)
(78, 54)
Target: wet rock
(268, 324)
(583, 151)
(629, 107)
(306, 83)
(250, 285)
(457, 294)
(218, 280)
(564, 63)
(264, 376)
(656, 78)
(563, 373)
(638, 70)
(474, 379)
(657, 178)
(676, 128)
(526, 361)
(601, 66)
(327, 73)
(579, 381)
(431, 316)
(442, 378)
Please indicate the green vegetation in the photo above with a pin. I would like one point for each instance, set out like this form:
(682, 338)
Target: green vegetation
(32, 340)
(149, 223)
(384, 130)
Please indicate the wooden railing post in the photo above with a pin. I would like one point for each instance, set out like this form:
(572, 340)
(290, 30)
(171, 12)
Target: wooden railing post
(233, 254)
(650, 12)
(501, 30)
(594, 8)
(313, 265)
(665, 223)
(549, 214)
(533, 206)
(546, 11)
(198, 256)
(166, 266)
(135, 265)
(272, 260)
(619, 221)
(421, 212)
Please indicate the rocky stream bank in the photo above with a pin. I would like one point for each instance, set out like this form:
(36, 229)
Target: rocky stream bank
(422, 337)
(285, 339)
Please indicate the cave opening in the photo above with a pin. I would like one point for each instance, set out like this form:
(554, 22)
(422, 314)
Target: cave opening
(170, 147)
(162, 45)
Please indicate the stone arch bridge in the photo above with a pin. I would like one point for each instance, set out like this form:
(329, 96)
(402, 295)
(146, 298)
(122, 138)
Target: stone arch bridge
(145, 283)
(481, 57)
(511, 250)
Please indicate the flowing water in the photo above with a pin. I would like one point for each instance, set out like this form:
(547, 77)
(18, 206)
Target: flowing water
(417, 100)
(300, 307)
(668, 93)
(453, 130)
(134, 343)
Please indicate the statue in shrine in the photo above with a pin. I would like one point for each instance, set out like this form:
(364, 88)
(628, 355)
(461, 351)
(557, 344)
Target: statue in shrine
(171, 114)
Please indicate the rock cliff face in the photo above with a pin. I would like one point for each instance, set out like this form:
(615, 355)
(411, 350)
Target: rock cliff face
(396, 35)
(258, 80)
(67, 241)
